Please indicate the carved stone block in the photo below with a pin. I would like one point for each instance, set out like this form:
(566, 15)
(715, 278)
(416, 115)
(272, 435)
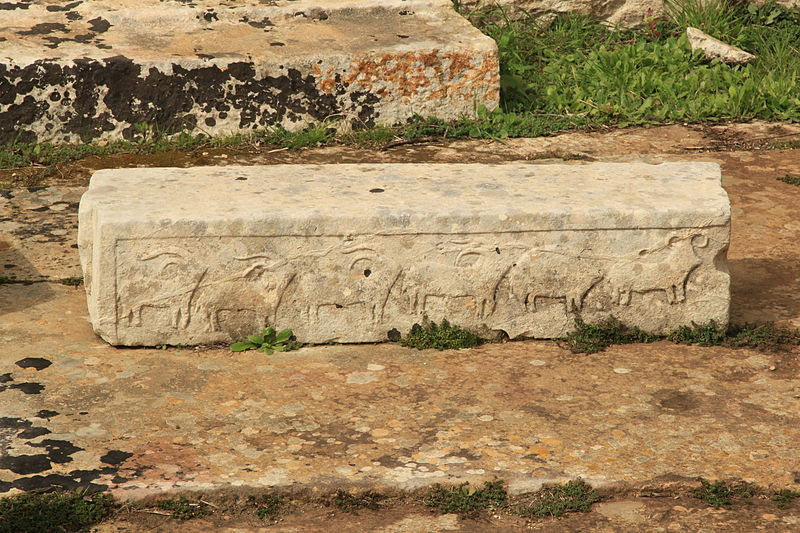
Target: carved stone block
(345, 253)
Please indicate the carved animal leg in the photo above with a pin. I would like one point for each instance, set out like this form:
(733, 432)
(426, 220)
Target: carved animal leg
(680, 292)
(624, 297)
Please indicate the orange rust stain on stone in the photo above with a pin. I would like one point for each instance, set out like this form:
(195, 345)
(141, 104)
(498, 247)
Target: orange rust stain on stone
(433, 74)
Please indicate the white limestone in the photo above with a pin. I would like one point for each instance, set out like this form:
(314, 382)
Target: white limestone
(345, 253)
(716, 49)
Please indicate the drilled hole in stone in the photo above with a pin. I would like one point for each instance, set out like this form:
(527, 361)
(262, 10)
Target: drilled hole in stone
(367, 272)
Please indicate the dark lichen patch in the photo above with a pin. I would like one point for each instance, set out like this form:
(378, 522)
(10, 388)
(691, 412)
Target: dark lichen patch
(115, 457)
(11, 6)
(8, 422)
(45, 28)
(168, 102)
(26, 464)
(66, 7)
(28, 387)
(99, 25)
(33, 432)
(39, 363)
(58, 451)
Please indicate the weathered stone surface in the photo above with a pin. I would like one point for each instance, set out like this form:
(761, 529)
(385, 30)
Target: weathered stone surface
(97, 69)
(716, 49)
(347, 252)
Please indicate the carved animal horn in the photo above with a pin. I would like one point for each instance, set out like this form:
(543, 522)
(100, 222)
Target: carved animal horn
(169, 250)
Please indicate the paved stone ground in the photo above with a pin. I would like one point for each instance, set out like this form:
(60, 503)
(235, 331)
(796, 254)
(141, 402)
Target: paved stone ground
(76, 411)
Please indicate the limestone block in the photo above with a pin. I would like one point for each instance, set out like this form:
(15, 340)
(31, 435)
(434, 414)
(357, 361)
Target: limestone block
(716, 49)
(107, 69)
(345, 253)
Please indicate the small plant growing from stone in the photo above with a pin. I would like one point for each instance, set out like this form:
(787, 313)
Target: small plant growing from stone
(269, 342)
(574, 496)
(722, 494)
(442, 336)
(790, 180)
(465, 500)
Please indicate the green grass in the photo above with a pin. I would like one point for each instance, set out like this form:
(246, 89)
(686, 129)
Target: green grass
(578, 67)
(442, 336)
(593, 338)
(790, 180)
(465, 500)
(723, 494)
(350, 502)
(55, 512)
(785, 498)
(575, 496)
(182, 508)
(269, 506)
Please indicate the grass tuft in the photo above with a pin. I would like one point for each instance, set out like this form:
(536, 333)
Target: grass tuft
(443, 336)
(182, 508)
(785, 498)
(722, 494)
(790, 180)
(269, 506)
(593, 338)
(351, 503)
(465, 500)
(55, 512)
(575, 496)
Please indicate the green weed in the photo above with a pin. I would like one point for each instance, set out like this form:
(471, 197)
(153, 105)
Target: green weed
(351, 503)
(704, 335)
(55, 512)
(593, 338)
(465, 500)
(575, 496)
(182, 508)
(443, 336)
(268, 506)
(764, 337)
(269, 341)
(785, 498)
(791, 180)
(724, 494)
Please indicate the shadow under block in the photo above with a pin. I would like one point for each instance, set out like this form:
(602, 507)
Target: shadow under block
(110, 69)
(345, 253)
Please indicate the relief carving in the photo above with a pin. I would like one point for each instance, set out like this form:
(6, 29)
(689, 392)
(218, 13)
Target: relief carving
(202, 290)
(666, 268)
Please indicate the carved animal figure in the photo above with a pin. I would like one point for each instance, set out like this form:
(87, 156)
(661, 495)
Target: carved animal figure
(254, 290)
(346, 278)
(662, 269)
(479, 281)
(551, 274)
(169, 267)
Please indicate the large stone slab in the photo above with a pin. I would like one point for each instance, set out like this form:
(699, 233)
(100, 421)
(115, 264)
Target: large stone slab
(346, 253)
(105, 69)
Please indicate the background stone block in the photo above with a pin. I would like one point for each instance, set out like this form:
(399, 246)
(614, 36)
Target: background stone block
(345, 253)
(108, 69)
